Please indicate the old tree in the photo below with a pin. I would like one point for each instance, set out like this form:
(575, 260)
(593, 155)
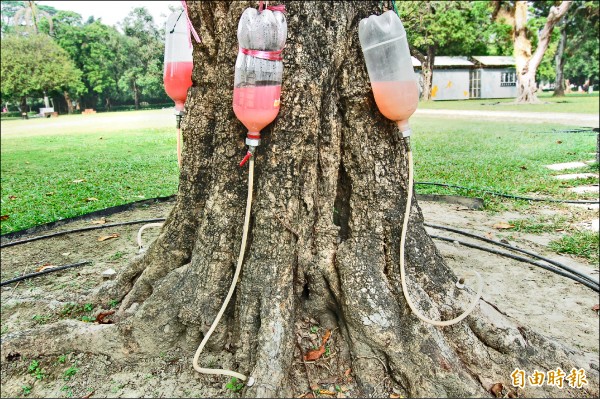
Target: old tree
(330, 187)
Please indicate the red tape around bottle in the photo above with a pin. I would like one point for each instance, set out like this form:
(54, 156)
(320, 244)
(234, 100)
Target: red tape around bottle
(263, 54)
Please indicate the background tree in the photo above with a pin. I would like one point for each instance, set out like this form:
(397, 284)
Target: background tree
(444, 28)
(330, 194)
(29, 15)
(577, 54)
(35, 65)
(527, 60)
(143, 73)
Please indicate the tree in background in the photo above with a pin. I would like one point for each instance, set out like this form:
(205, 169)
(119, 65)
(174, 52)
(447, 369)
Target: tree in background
(34, 65)
(443, 28)
(29, 14)
(577, 56)
(527, 60)
(143, 72)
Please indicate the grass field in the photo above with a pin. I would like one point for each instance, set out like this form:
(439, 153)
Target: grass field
(572, 103)
(63, 167)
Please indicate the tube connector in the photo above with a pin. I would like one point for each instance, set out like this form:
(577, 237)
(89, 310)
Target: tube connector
(178, 116)
(250, 153)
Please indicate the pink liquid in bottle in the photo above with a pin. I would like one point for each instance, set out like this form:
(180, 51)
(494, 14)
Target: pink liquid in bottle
(256, 106)
(177, 79)
(396, 100)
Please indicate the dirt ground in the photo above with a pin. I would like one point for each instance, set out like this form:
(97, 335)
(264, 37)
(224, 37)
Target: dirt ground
(553, 305)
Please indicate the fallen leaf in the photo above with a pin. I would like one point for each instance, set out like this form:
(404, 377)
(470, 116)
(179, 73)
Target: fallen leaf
(88, 396)
(496, 390)
(340, 395)
(99, 221)
(505, 241)
(102, 315)
(326, 336)
(326, 392)
(503, 225)
(315, 354)
(523, 167)
(12, 197)
(50, 193)
(596, 307)
(347, 372)
(489, 235)
(27, 162)
(66, 254)
(79, 181)
(4, 217)
(559, 230)
(90, 199)
(314, 387)
(108, 237)
(558, 142)
(44, 267)
(139, 196)
(395, 395)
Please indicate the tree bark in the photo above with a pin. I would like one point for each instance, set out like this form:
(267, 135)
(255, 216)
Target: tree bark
(526, 62)
(68, 101)
(330, 195)
(136, 95)
(559, 62)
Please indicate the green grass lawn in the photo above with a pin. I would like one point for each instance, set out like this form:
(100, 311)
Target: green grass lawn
(572, 103)
(503, 157)
(44, 160)
(127, 156)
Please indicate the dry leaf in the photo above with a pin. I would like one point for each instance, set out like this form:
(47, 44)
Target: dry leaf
(558, 142)
(523, 167)
(326, 336)
(3, 217)
(108, 237)
(79, 181)
(314, 387)
(88, 396)
(395, 395)
(496, 390)
(489, 235)
(102, 315)
(50, 193)
(347, 372)
(90, 199)
(99, 221)
(12, 197)
(503, 225)
(44, 267)
(596, 307)
(340, 395)
(314, 355)
(139, 196)
(327, 392)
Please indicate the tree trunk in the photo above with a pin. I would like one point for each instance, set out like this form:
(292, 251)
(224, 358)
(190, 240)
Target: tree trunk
(46, 101)
(526, 62)
(68, 101)
(559, 62)
(427, 63)
(107, 103)
(136, 95)
(330, 194)
(23, 107)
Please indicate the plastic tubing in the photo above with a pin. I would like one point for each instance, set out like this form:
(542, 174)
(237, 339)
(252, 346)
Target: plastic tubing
(513, 248)
(590, 284)
(179, 147)
(46, 271)
(402, 274)
(231, 290)
(139, 234)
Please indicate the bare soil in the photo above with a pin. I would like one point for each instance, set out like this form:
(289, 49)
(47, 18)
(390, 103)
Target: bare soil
(553, 305)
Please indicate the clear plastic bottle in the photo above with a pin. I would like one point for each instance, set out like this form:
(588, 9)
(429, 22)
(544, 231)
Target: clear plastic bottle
(389, 64)
(257, 85)
(177, 74)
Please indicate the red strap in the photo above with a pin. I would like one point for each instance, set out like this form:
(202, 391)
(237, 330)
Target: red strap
(263, 54)
(280, 7)
(189, 24)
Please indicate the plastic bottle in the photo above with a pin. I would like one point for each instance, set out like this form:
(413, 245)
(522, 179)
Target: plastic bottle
(257, 85)
(177, 74)
(394, 83)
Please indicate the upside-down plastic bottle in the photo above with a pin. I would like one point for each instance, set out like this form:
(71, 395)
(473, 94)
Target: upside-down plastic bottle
(385, 47)
(177, 74)
(259, 70)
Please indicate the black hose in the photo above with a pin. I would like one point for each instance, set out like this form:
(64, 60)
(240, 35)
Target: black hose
(60, 233)
(49, 270)
(513, 248)
(522, 259)
(508, 195)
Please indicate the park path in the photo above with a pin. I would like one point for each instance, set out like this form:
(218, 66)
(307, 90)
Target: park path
(587, 120)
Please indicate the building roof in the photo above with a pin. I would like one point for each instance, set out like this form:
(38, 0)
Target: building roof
(445, 61)
(495, 60)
